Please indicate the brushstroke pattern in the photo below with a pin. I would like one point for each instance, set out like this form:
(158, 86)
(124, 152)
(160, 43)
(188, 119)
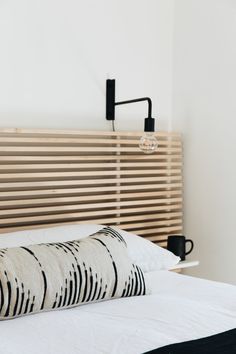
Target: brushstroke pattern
(65, 274)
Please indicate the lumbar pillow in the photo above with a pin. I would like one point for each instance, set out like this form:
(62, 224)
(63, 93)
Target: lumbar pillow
(50, 276)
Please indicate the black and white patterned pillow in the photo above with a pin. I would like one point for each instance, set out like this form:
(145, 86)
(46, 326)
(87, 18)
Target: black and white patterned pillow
(51, 276)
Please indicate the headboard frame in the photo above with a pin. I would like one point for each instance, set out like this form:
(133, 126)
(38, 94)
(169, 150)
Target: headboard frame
(55, 177)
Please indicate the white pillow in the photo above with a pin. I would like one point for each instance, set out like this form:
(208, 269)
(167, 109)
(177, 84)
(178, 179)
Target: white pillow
(51, 234)
(147, 255)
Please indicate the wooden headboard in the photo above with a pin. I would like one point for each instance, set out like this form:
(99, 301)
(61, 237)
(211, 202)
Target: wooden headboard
(51, 177)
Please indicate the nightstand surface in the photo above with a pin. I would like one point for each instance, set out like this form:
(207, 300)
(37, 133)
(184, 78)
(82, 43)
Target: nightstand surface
(185, 264)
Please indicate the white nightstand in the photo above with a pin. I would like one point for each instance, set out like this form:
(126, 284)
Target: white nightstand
(184, 264)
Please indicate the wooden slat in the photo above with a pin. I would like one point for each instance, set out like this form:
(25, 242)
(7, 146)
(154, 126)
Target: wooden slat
(69, 174)
(82, 214)
(97, 182)
(76, 141)
(51, 177)
(85, 206)
(104, 221)
(75, 165)
(147, 224)
(65, 132)
(160, 230)
(18, 150)
(82, 198)
(100, 157)
(68, 191)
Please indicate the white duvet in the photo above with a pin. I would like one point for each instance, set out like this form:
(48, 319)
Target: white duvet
(180, 308)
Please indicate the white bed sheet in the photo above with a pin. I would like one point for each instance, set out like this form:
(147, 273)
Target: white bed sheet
(180, 308)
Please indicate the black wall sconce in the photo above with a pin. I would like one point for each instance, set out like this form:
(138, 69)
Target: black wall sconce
(148, 142)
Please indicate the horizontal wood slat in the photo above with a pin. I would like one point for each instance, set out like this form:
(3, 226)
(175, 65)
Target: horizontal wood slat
(48, 150)
(71, 191)
(95, 198)
(69, 174)
(101, 158)
(102, 206)
(78, 133)
(83, 182)
(82, 214)
(58, 177)
(80, 166)
(106, 221)
(75, 141)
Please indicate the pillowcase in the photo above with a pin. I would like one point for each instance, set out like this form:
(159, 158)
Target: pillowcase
(52, 276)
(51, 234)
(146, 254)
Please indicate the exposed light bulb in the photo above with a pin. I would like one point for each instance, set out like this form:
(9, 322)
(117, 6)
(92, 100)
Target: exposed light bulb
(148, 143)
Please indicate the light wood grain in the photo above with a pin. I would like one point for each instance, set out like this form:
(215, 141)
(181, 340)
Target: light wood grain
(80, 133)
(48, 141)
(58, 177)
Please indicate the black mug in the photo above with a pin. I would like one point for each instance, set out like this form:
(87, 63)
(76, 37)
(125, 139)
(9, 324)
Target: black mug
(177, 245)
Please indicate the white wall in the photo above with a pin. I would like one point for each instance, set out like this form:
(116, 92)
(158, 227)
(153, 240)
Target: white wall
(55, 57)
(56, 54)
(204, 105)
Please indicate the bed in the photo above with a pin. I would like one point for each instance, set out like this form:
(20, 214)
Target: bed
(181, 308)
(51, 178)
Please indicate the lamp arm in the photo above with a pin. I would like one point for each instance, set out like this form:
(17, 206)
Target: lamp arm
(148, 99)
(148, 143)
(149, 122)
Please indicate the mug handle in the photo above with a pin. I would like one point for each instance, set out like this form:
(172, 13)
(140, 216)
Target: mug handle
(191, 248)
